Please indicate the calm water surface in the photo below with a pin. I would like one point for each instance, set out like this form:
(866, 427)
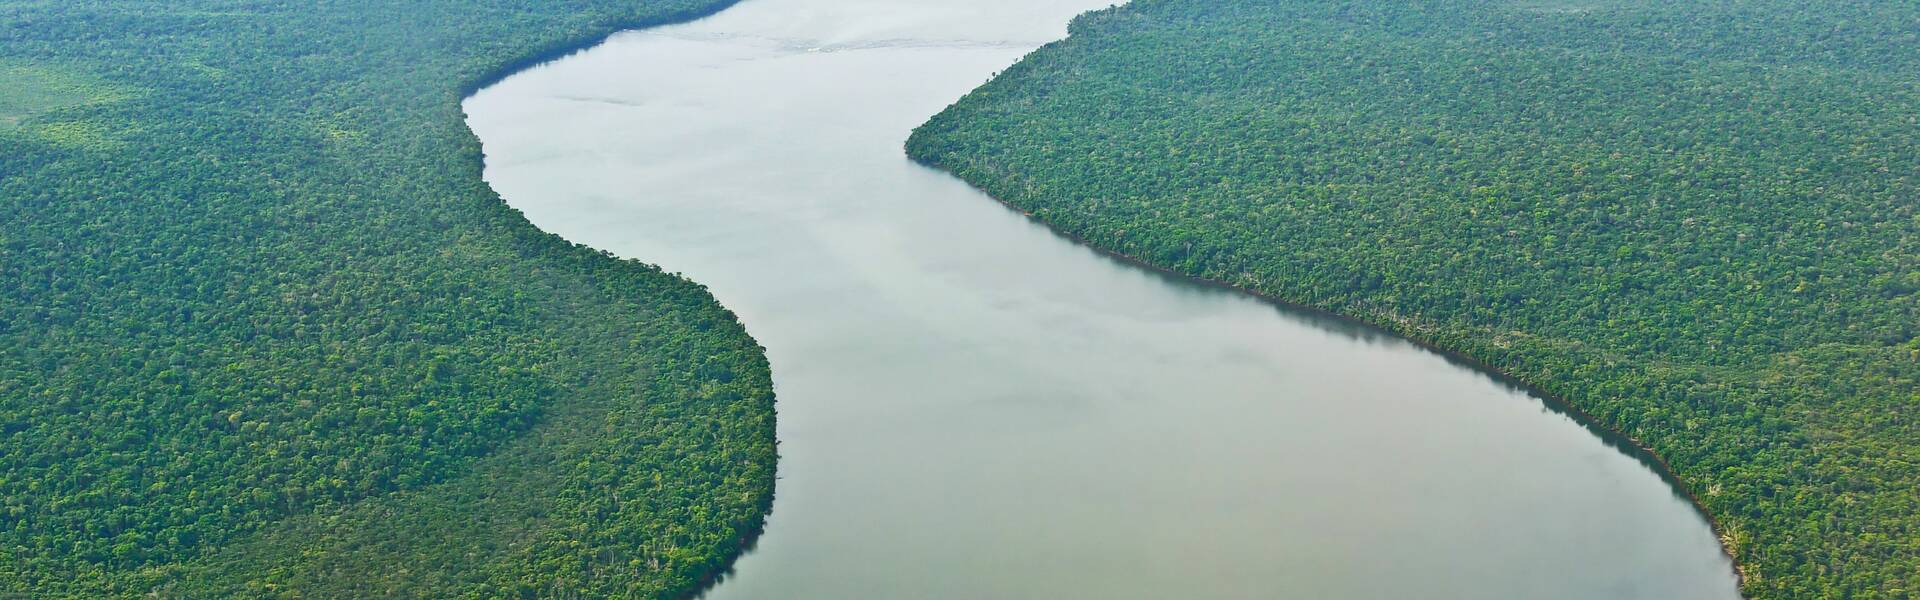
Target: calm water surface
(972, 407)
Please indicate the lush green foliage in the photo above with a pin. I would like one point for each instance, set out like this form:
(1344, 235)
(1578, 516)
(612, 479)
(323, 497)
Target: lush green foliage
(264, 330)
(1696, 222)
(27, 90)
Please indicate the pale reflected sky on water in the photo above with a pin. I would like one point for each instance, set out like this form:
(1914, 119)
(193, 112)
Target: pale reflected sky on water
(972, 407)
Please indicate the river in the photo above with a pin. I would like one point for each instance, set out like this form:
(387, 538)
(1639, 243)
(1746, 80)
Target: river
(974, 407)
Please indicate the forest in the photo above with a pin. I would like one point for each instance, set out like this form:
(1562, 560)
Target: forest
(1696, 223)
(264, 331)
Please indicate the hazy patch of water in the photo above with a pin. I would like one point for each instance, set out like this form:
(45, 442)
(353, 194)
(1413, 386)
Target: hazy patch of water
(972, 407)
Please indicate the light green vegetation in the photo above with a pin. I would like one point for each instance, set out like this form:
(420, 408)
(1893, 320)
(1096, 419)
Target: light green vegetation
(30, 95)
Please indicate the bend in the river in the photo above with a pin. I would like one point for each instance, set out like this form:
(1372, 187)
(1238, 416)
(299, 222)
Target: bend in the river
(974, 407)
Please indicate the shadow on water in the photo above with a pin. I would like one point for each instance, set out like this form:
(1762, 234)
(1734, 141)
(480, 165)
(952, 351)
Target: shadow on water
(1334, 326)
(1352, 329)
(748, 545)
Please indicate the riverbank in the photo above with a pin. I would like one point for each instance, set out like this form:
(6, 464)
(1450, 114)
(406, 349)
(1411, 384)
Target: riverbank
(255, 276)
(960, 387)
(1618, 439)
(1495, 183)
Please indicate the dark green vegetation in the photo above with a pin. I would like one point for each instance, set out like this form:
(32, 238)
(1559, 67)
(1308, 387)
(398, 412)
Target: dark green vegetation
(1696, 222)
(264, 331)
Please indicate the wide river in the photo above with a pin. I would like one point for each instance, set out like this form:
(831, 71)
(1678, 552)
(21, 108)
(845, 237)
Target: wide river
(972, 407)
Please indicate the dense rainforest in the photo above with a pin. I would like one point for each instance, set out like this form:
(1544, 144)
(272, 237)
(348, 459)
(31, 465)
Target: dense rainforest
(1697, 223)
(264, 331)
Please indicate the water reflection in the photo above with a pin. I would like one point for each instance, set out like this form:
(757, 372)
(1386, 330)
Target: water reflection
(974, 407)
(1365, 333)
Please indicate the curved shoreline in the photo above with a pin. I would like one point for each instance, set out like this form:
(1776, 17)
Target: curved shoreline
(564, 48)
(561, 49)
(1555, 402)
